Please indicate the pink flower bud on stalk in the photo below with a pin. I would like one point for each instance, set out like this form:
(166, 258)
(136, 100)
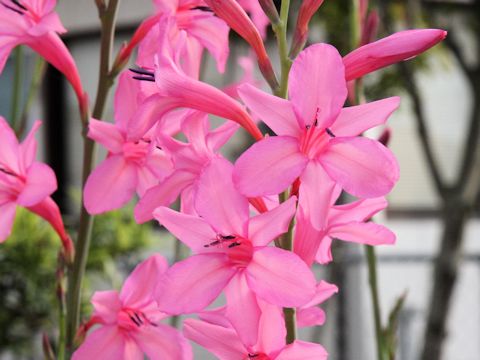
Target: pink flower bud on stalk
(235, 17)
(370, 28)
(307, 9)
(400, 46)
(385, 137)
(47, 348)
(270, 10)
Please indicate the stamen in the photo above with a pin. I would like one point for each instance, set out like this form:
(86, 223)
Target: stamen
(138, 318)
(16, 2)
(202, 8)
(144, 78)
(251, 356)
(134, 320)
(222, 238)
(13, 9)
(232, 245)
(8, 172)
(228, 237)
(142, 72)
(329, 132)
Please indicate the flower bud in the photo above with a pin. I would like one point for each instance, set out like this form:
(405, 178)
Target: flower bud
(270, 10)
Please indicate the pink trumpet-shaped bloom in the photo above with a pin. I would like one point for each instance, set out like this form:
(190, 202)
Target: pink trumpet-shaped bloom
(35, 23)
(228, 243)
(203, 30)
(134, 163)
(236, 17)
(130, 321)
(189, 160)
(176, 89)
(311, 314)
(226, 343)
(28, 183)
(317, 139)
(402, 45)
(347, 222)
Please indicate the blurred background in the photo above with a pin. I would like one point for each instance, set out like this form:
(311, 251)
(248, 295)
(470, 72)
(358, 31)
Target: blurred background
(433, 209)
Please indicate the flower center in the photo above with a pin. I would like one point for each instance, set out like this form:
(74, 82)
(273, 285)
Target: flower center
(131, 319)
(238, 249)
(314, 140)
(137, 151)
(257, 356)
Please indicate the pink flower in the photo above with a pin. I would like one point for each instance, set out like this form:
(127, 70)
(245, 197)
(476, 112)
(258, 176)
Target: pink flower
(344, 222)
(402, 45)
(226, 343)
(35, 23)
(189, 161)
(202, 29)
(134, 163)
(228, 243)
(130, 321)
(28, 183)
(316, 137)
(236, 17)
(176, 89)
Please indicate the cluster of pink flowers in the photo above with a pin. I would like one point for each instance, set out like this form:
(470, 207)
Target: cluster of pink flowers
(231, 213)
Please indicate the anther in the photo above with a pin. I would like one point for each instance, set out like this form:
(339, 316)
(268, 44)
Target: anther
(228, 237)
(202, 8)
(329, 132)
(134, 320)
(20, 12)
(7, 172)
(142, 72)
(232, 245)
(16, 2)
(144, 78)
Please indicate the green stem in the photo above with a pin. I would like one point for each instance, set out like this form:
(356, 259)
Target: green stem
(17, 86)
(38, 72)
(280, 30)
(108, 17)
(372, 280)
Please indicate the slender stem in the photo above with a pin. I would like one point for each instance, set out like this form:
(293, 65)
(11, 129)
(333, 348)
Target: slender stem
(372, 280)
(17, 86)
(108, 17)
(280, 30)
(38, 72)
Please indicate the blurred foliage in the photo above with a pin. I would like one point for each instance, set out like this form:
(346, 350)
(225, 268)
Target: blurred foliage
(28, 260)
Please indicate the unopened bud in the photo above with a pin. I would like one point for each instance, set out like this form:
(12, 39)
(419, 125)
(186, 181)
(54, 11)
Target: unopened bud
(47, 348)
(384, 138)
(307, 9)
(270, 10)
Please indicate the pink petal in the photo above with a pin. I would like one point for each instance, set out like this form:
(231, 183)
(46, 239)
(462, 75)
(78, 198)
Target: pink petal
(161, 342)
(106, 304)
(219, 137)
(307, 238)
(324, 253)
(193, 231)
(363, 233)
(54, 51)
(312, 316)
(360, 210)
(212, 33)
(264, 228)
(317, 194)
(303, 350)
(222, 342)
(400, 46)
(108, 343)
(218, 202)
(317, 86)
(269, 166)
(280, 277)
(138, 287)
(163, 194)
(354, 120)
(192, 284)
(126, 103)
(272, 331)
(323, 292)
(245, 322)
(363, 167)
(6, 220)
(41, 182)
(50, 212)
(110, 186)
(276, 112)
(10, 147)
(28, 147)
(106, 134)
